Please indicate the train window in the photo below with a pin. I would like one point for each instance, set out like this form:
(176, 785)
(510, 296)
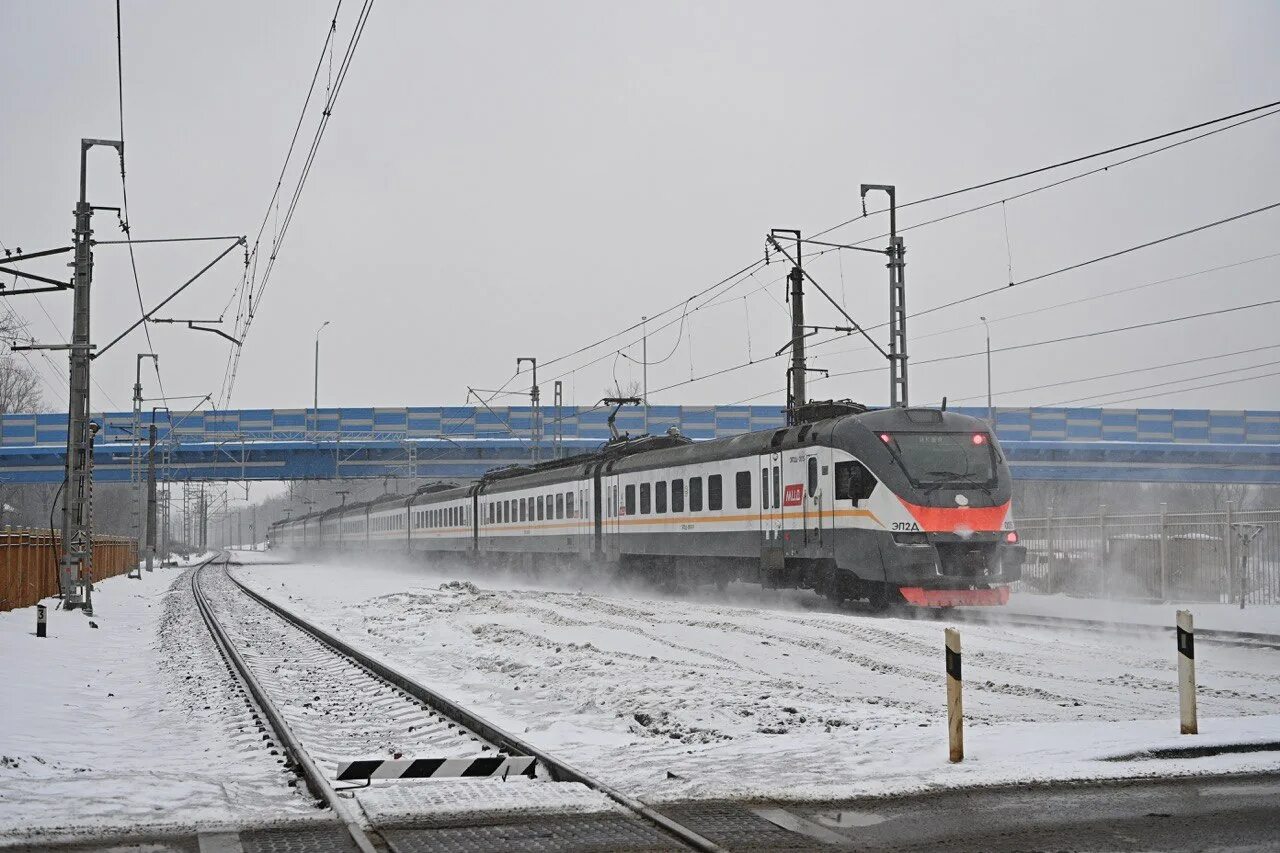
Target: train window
(660, 496)
(568, 504)
(645, 498)
(742, 484)
(524, 509)
(764, 488)
(630, 500)
(695, 494)
(540, 506)
(853, 481)
(715, 492)
(559, 506)
(813, 475)
(677, 495)
(777, 486)
(489, 513)
(506, 512)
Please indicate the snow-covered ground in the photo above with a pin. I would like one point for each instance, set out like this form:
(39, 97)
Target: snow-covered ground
(1262, 619)
(761, 693)
(131, 723)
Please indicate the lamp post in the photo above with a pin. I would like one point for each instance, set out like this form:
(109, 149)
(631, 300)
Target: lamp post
(991, 412)
(315, 399)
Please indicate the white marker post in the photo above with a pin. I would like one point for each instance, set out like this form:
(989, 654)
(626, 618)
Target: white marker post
(955, 709)
(1187, 673)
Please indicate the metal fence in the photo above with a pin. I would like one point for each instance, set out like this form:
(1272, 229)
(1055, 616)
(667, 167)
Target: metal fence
(28, 568)
(1230, 556)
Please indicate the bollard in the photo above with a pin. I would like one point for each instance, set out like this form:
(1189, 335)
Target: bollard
(955, 710)
(1187, 673)
(40, 621)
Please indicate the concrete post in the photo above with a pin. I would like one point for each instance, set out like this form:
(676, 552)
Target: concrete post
(1187, 674)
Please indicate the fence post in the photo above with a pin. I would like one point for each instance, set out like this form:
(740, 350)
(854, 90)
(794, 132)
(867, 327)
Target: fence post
(955, 708)
(1102, 549)
(1164, 551)
(1050, 576)
(1229, 543)
(1187, 673)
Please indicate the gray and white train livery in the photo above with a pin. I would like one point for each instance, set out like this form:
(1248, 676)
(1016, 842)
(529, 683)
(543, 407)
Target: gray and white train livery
(902, 504)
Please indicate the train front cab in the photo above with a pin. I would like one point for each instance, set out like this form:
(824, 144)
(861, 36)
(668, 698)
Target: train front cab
(921, 502)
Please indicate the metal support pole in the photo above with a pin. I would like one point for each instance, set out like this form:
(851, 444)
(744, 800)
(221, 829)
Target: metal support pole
(1051, 575)
(1187, 674)
(558, 398)
(1228, 542)
(315, 396)
(151, 497)
(897, 251)
(955, 705)
(535, 424)
(77, 530)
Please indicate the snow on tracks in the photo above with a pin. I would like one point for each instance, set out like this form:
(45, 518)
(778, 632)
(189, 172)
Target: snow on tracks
(697, 697)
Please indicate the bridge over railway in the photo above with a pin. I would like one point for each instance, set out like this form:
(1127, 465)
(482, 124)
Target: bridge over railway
(1137, 445)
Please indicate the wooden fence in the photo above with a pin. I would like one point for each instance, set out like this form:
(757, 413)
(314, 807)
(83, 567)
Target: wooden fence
(28, 567)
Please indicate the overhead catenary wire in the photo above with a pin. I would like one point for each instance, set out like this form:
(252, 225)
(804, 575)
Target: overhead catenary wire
(125, 220)
(1116, 373)
(1263, 108)
(254, 286)
(1195, 388)
(1012, 347)
(1106, 394)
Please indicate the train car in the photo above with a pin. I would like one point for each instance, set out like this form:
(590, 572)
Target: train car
(902, 504)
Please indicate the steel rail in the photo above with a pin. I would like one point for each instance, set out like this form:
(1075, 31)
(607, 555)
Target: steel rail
(311, 774)
(558, 769)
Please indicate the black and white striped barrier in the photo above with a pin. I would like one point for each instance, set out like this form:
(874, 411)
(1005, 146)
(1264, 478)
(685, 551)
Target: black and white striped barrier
(481, 767)
(955, 708)
(1187, 673)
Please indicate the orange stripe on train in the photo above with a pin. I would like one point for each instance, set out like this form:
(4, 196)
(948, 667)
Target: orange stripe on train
(959, 519)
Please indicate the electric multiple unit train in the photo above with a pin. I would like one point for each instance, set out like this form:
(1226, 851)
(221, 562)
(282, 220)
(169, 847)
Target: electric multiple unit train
(889, 505)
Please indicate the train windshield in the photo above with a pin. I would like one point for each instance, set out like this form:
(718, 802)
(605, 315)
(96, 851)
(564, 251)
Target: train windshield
(933, 459)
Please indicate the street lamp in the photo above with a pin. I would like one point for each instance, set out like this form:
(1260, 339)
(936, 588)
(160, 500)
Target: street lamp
(991, 412)
(315, 400)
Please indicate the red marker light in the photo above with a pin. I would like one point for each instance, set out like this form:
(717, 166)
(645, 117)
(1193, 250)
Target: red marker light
(979, 438)
(884, 436)
(1011, 537)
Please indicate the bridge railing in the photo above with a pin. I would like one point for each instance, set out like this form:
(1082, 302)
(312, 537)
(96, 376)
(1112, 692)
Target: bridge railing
(1208, 556)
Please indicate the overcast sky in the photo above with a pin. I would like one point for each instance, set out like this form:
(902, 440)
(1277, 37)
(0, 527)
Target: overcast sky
(522, 179)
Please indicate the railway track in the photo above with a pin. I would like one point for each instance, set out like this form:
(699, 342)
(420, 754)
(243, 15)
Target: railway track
(327, 702)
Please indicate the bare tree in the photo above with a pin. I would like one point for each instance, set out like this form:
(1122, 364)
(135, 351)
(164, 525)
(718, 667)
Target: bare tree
(19, 392)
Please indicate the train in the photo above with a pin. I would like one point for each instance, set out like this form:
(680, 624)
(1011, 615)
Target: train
(904, 505)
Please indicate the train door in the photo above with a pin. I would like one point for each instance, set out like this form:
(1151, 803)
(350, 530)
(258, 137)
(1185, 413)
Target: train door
(770, 499)
(772, 554)
(613, 510)
(583, 517)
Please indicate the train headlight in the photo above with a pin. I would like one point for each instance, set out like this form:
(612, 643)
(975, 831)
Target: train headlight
(1011, 537)
(979, 438)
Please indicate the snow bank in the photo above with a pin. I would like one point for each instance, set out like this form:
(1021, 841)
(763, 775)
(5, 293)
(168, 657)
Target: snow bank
(133, 722)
